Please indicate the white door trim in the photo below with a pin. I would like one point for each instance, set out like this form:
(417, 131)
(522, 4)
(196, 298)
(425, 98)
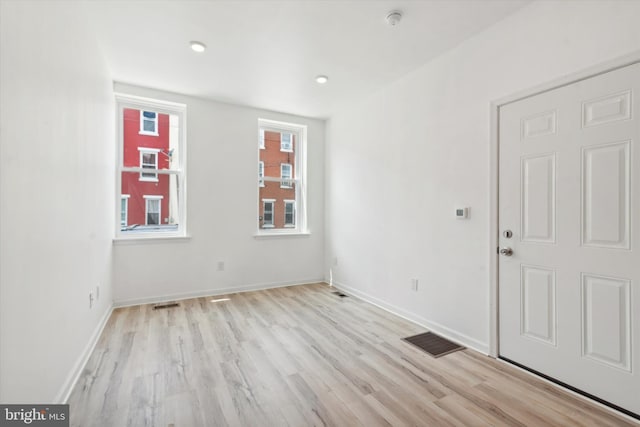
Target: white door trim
(602, 68)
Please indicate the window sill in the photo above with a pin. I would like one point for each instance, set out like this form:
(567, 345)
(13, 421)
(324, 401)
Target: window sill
(148, 179)
(143, 240)
(278, 234)
(148, 133)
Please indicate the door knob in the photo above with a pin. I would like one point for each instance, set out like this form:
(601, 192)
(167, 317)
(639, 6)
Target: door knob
(506, 251)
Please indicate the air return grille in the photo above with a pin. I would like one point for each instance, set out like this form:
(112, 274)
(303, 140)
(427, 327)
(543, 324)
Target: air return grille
(166, 305)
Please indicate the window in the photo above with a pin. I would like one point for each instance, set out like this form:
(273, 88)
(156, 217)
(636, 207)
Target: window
(124, 208)
(267, 213)
(153, 209)
(286, 141)
(148, 160)
(285, 176)
(281, 178)
(289, 213)
(148, 123)
(151, 172)
(262, 139)
(261, 174)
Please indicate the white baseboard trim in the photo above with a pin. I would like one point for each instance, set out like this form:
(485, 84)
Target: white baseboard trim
(78, 367)
(212, 292)
(418, 320)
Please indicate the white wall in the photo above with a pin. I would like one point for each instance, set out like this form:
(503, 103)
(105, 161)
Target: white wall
(399, 162)
(56, 183)
(222, 158)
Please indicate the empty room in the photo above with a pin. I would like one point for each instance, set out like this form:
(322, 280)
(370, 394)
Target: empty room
(319, 213)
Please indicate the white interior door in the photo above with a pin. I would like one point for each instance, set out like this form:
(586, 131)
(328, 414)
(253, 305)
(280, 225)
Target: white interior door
(569, 294)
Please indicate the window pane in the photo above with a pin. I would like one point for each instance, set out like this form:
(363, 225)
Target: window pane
(285, 175)
(149, 159)
(289, 214)
(267, 214)
(123, 212)
(149, 126)
(286, 141)
(152, 169)
(153, 218)
(154, 205)
(276, 179)
(153, 211)
(159, 211)
(275, 212)
(165, 145)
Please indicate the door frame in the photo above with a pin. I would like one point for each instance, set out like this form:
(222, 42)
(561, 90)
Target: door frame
(494, 167)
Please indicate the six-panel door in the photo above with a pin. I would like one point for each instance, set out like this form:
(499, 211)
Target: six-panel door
(569, 296)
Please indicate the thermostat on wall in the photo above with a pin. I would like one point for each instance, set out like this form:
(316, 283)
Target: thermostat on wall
(462, 213)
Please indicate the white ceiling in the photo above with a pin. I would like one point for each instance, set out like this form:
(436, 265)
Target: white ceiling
(266, 54)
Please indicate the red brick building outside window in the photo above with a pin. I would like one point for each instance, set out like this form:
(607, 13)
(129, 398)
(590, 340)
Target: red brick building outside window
(277, 202)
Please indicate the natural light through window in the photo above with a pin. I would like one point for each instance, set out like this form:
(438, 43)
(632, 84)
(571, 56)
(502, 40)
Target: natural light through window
(151, 168)
(281, 178)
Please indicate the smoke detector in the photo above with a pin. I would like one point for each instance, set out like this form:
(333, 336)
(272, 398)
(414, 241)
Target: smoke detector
(394, 17)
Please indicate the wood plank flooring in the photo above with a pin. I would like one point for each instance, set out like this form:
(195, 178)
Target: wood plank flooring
(301, 356)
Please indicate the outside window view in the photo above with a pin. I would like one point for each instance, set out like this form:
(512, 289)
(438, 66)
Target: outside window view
(276, 179)
(149, 199)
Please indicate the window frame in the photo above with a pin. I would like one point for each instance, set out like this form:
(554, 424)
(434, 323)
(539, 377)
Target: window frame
(261, 131)
(298, 180)
(178, 167)
(152, 198)
(272, 202)
(286, 182)
(142, 131)
(293, 213)
(290, 149)
(155, 152)
(124, 198)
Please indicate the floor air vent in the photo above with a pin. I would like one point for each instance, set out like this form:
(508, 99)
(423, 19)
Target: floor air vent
(165, 305)
(433, 344)
(340, 294)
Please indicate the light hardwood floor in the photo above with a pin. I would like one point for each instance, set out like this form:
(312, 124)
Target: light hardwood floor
(301, 356)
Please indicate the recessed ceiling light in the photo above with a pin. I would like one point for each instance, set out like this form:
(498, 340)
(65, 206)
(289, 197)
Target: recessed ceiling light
(394, 17)
(322, 79)
(198, 46)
